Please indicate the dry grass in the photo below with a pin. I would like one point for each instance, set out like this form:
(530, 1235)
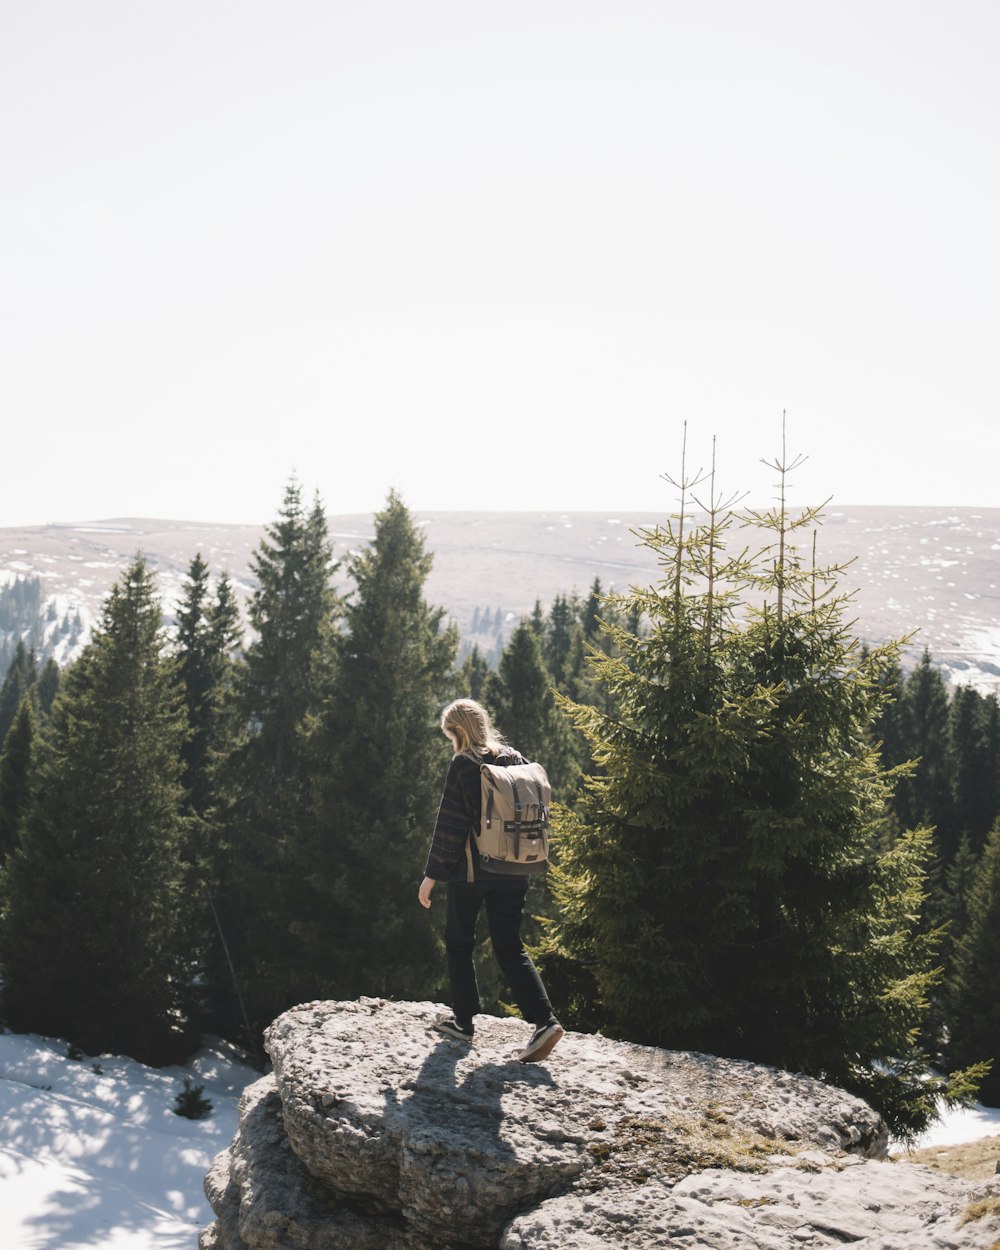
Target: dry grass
(972, 1161)
(980, 1210)
(676, 1146)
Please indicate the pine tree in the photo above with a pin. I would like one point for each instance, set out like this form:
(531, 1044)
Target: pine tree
(48, 686)
(591, 619)
(602, 616)
(20, 679)
(722, 888)
(969, 766)
(292, 614)
(557, 638)
(224, 619)
(389, 760)
(21, 608)
(93, 939)
(197, 667)
(577, 680)
(957, 891)
(281, 688)
(472, 674)
(945, 911)
(925, 796)
(975, 1005)
(520, 696)
(889, 728)
(15, 768)
(991, 737)
(225, 637)
(208, 634)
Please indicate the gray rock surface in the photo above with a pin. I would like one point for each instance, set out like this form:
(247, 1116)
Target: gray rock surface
(871, 1205)
(263, 1196)
(376, 1131)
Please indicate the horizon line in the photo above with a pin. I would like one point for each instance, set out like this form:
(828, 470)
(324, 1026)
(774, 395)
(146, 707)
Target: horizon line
(828, 508)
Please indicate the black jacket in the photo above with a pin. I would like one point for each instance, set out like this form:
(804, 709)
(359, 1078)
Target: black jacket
(460, 812)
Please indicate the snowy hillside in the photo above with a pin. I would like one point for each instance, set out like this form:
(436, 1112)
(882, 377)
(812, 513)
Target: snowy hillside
(93, 1155)
(930, 572)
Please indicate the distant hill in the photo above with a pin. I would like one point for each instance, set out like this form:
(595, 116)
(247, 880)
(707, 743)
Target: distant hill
(932, 572)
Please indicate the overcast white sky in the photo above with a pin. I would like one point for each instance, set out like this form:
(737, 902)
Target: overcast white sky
(494, 254)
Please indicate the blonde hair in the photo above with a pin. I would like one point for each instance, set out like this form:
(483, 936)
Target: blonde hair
(470, 722)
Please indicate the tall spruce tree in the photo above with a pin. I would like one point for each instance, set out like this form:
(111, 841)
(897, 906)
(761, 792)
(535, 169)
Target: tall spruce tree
(971, 765)
(591, 617)
(722, 888)
(282, 684)
(520, 696)
(924, 797)
(15, 769)
(956, 893)
(388, 765)
(974, 1002)
(472, 674)
(991, 735)
(20, 679)
(890, 727)
(48, 686)
(197, 667)
(558, 636)
(208, 633)
(224, 619)
(946, 910)
(93, 939)
(226, 643)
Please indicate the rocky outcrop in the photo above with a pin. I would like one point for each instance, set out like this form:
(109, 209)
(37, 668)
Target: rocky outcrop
(374, 1131)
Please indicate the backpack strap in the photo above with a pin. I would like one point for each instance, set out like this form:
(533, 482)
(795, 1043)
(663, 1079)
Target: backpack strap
(517, 820)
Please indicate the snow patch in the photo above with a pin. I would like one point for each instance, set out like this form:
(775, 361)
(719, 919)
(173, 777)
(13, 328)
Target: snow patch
(960, 1124)
(92, 1154)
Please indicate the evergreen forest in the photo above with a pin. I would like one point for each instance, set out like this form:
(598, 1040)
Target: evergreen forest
(771, 841)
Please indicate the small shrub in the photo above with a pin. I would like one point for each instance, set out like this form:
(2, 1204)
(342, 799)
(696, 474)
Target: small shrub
(190, 1102)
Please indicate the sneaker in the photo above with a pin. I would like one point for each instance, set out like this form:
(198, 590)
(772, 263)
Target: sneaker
(543, 1041)
(451, 1026)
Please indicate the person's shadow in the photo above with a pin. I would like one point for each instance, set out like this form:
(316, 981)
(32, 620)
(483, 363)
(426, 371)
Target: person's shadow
(461, 1166)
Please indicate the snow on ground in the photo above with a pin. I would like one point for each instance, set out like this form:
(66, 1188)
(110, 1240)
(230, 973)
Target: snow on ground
(92, 1154)
(961, 1124)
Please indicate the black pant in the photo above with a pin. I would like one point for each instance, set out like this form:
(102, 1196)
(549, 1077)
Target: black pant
(504, 898)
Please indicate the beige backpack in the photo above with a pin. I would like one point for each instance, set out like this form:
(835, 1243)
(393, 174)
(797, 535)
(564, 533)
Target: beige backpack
(513, 836)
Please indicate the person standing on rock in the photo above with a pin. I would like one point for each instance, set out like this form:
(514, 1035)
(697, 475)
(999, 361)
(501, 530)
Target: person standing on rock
(467, 726)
